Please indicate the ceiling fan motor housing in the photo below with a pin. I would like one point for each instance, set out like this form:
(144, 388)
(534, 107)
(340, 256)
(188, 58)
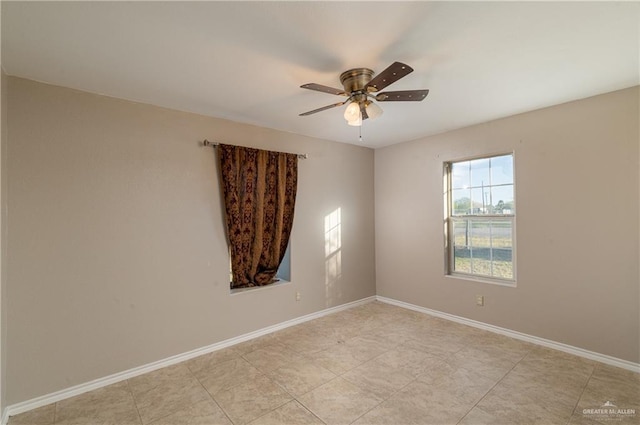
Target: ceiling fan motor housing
(356, 79)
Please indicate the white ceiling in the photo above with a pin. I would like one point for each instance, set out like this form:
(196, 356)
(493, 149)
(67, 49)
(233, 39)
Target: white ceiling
(245, 61)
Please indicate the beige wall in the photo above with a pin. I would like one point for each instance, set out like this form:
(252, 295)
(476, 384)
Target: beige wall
(117, 254)
(577, 180)
(3, 237)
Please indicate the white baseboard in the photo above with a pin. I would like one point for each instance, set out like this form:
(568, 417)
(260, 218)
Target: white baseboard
(44, 400)
(603, 358)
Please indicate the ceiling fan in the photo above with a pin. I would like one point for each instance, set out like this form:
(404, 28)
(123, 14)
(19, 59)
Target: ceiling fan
(359, 86)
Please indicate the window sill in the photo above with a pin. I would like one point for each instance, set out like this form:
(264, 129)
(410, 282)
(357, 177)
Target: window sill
(237, 291)
(507, 283)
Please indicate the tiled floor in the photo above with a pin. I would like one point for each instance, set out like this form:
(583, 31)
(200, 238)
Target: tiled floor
(372, 364)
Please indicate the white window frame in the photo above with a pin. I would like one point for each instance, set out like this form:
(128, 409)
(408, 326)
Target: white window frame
(449, 219)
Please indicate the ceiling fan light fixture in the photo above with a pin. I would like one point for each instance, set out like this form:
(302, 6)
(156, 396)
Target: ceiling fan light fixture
(355, 123)
(373, 110)
(352, 113)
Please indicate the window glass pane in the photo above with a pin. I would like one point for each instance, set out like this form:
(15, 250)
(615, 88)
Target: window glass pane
(481, 235)
(481, 247)
(461, 201)
(501, 234)
(502, 199)
(479, 200)
(502, 243)
(461, 251)
(502, 263)
(480, 265)
(284, 271)
(462, 261)
(460, 175)
(461, 233)
(480, 173)
(502, 170)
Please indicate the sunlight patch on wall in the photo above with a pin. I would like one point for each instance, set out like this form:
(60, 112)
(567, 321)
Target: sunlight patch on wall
(333, 256)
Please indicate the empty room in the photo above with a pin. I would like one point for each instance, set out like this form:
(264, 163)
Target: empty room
(318, 212)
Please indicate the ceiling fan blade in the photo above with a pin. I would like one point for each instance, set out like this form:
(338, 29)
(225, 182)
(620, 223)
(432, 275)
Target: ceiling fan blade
(403, 96)
(324, 89)
(324, 108)
(393, 73)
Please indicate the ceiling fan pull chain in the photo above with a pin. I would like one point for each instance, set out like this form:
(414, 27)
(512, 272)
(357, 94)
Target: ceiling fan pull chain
(360, 133)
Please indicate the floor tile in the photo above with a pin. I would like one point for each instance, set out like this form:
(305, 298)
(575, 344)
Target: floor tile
(111, 405)
(611, 388)
(225, 375)
(250, 400)
(523, 401)
(204, 412)
(340, 332)
(546, 360)
(272, 357)
(520, 409)
(417, 404)
(477, 416)
(381, 380)
(413, 361)
(338, 359)
(312, 343)
(579, 418)
(500, 346)
(259, 342)
(608, 383)
(435, 344)
(367, 346)
(339, 402)
(560, 384)
(209, 360)
(402, 358)
(292, 413)
(465, 386)
(164, 391)
(300, 377)
(481, 361)
(41, 416)
(391, 336)
(528, 415)
(384, 338)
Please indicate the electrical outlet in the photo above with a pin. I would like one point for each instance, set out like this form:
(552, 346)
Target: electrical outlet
(480, 300)
(297, 296)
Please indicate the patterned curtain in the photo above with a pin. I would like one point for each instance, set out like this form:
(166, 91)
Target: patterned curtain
(259, 191)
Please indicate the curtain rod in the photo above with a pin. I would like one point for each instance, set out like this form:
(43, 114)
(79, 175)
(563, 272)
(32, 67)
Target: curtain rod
(215, 145)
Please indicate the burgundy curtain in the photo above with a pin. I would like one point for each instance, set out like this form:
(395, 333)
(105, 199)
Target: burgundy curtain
(259, 192)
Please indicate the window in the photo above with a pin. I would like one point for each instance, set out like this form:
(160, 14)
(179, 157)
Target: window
(480, 218)
(283, 274)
